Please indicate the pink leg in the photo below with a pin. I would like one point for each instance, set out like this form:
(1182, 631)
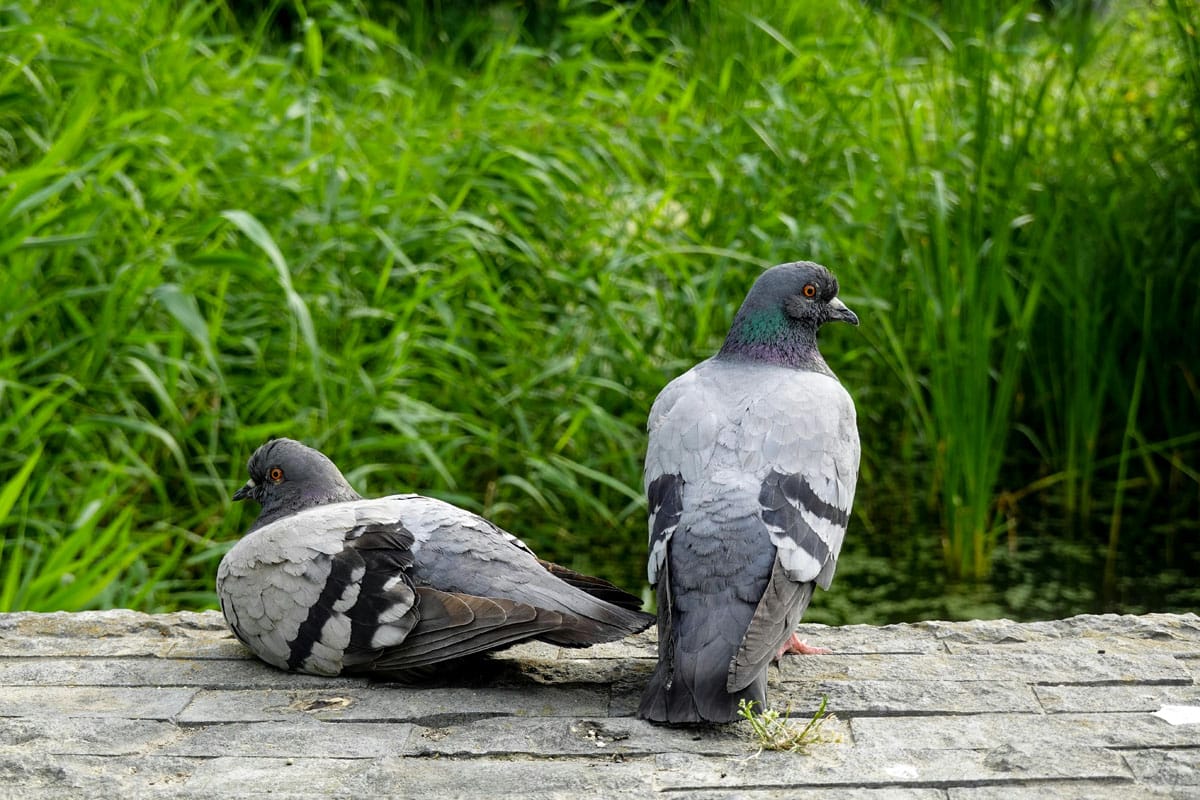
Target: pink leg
(800, 647)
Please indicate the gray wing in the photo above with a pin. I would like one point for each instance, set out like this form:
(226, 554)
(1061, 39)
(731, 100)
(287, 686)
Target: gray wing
(808, 490)
(682, 429)
(458, 551)
(806, 431)
(288, 589)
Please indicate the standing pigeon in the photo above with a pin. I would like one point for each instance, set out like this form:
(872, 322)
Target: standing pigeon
(750, 474)
(326, 582)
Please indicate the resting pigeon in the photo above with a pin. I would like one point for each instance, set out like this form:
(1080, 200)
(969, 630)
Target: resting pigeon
(326, 582)
(750, 474)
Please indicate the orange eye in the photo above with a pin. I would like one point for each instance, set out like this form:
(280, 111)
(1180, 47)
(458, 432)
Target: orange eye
(810, 290)
(275, 474)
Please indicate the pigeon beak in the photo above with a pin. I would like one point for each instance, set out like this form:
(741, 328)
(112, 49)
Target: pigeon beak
(246, 491)
(839, 312)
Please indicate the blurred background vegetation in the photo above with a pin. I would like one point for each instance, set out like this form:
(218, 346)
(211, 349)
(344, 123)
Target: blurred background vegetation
(461, 246)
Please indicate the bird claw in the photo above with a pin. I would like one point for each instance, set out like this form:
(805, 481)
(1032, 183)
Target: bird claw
(796, 645)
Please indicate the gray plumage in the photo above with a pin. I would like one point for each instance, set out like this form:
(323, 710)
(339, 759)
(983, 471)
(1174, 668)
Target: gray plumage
(328, 582)
(750, 475)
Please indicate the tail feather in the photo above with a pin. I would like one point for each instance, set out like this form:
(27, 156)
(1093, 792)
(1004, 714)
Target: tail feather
(695, 694)
(454, 625)
(607, 622)
(596, 587)
(689, 685)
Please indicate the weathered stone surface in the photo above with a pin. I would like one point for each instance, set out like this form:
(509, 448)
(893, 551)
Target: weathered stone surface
(91, 736)
(1131, 730)
(593, 736)
(1084, 790)
(95, 776)
(130, 705)
(824, 793)
(142, 671)
(843, 765)
(1115, 699)
(294, 738)
(384, 703)
(142, 702)
(849, 639)
(118, 632)
(1170, 767)
(1003, 631)
(907, 697)
(392, 777)
(1029, 667)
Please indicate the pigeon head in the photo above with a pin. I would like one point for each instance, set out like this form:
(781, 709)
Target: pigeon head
(779, 320)
(287, 476)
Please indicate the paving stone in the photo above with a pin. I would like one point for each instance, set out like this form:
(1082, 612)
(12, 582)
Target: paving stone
(642, 645)
(95, 776)
(1131, 730)
(141, 702)
(1083, 647)
(118, 632)
(1031, 667)
(844, 765)
(1180, 767)
(295, 738)
(94, 736)
(848, 639)
(906, 698)
(843, 793)
(1004, 631)
(1118, 699)
(391, 703)
(400, 777)
(587, 736)
(142, 671)
(1069, 790)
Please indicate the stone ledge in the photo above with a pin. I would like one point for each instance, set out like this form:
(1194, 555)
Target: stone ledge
(171, 705)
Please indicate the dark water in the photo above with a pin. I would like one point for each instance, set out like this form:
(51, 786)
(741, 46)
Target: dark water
(1047, 570)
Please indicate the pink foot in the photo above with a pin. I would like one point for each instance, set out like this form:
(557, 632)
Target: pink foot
(800, 647)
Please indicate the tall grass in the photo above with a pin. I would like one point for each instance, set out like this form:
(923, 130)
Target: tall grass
(461, 251)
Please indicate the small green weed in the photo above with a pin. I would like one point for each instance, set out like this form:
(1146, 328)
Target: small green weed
(775, 731)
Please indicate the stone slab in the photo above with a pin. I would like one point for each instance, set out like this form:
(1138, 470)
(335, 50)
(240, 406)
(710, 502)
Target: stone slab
(851, 639)
(93, 736)
(163, 672)
(591, 736)
(1005, 631)
(1077, 790)
(1114, 699)
(381, 703)
(906, 697)
(118, 632)
(511, 777)
(1177, 767)
(1031, 667)
(1125, 730)
(834, 765)
(294, 738)
(140, 702)
(843, 793)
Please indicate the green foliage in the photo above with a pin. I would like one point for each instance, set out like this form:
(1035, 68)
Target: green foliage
(461, 254)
